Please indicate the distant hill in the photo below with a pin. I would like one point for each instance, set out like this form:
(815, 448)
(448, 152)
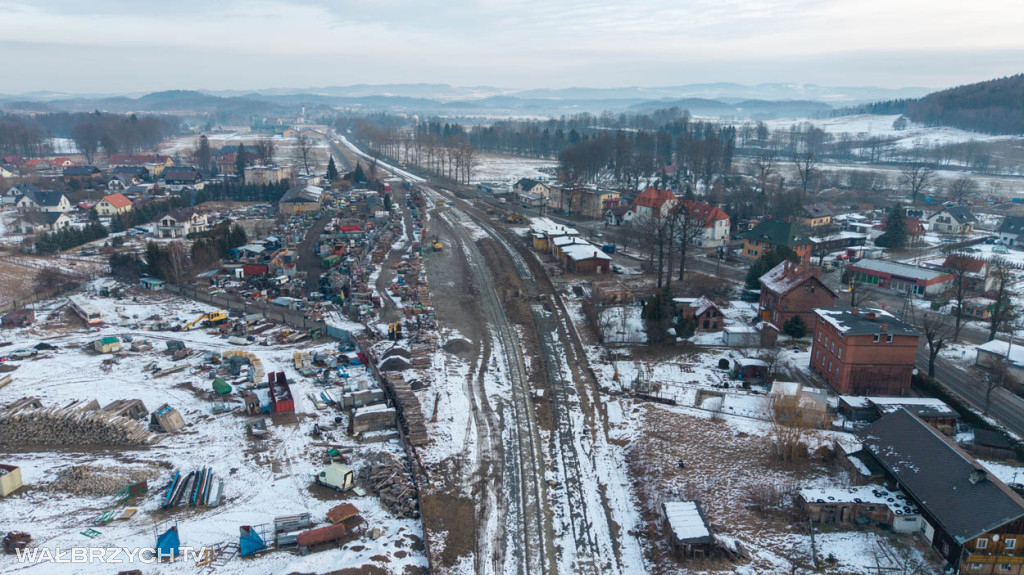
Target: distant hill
(755, 109)
(994, 107)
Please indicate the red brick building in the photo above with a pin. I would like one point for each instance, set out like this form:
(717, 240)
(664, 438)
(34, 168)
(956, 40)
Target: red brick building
(863, 351)
(790, 289)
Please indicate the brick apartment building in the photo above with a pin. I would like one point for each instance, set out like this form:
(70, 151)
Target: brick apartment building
(774, 233)
(863, 351)
(790, 289)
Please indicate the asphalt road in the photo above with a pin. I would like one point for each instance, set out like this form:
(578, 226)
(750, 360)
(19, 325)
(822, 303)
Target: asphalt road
(970, 384)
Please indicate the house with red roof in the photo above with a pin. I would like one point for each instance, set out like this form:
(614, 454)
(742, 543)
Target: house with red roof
(711, 219)
(60, 162)
(113, 204)
(790, 289)
(654, 202)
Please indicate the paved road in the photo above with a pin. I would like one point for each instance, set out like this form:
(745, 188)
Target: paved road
(970, 384)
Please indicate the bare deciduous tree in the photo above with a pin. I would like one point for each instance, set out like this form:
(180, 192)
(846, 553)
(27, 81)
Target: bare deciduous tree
(264, 149)
(916, 177)
(937, 329)
(304, 146)
(961, 188)
(1003, 307)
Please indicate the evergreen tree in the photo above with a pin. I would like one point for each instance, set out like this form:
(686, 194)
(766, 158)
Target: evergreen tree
(656, 315)
(795, 327)
(895, 235)
(358, 176)
(332, 170)
(241, 160)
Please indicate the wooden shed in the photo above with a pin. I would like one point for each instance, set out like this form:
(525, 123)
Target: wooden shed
(10, 479)
(166, 419)
(750, 369)
(688, 532)
(19, 318)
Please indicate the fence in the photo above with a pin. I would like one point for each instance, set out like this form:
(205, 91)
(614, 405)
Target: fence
(292, 318)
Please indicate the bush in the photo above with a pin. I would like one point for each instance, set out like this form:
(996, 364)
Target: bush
(723, 364)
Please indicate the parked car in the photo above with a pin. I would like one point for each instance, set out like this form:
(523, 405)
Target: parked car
(999, 249)
(22, 354)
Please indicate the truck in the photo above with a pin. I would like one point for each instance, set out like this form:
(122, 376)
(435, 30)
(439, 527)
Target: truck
(337, 476)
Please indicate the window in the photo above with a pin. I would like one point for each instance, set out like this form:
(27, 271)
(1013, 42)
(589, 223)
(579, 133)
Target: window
(888, 338)
(975, 566)
(981, 544)
(876, 338)
(1011, 544)
(839, 353)
(1005, 567)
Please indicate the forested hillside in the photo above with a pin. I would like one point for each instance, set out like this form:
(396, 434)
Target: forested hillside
(995, 107)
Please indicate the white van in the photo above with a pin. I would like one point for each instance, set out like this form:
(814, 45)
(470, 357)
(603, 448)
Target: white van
(337, 476)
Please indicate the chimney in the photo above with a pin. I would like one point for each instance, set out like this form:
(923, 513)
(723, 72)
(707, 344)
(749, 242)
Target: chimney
(816, 272)
(977, 476)
(855, 310)
(870, 315)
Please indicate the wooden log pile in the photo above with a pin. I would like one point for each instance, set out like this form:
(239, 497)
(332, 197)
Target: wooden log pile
(71, 425)
(386, 476)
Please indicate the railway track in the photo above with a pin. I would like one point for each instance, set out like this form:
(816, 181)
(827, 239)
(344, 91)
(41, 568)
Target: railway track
(523, 469)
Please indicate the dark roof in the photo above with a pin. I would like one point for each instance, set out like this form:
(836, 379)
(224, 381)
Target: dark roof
(38, 218)
(787, 276)
(1012, 225)
(301, 195)
(988, 438)
(526, 184)
(179, 214)
(815, 211)
(865, 321)
(939, 477)
(959, 213)
(620, 210)
(131, 171)
(778, 232)
(181, 173)
(44, 198)
(81, 171)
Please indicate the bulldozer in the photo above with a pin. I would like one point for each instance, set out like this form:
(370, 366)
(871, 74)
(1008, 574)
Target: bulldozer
(208, 319)
(515, 219)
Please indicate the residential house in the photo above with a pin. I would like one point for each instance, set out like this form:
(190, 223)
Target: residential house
(899, 277)
(794, 401)
(706, 314)
(790, 289)
(61, 163)
(545, 231)
(180, 223)
(585, 258)
(18, 318)
(974, 521)
(814, 215)
(82, 174)
(862, 505)
(711, 219)
(155, 164)
(134, 174)
(956, 220)
(915, 230)
(863, 352)
(618, 215)
(36, 222)
(529, 186)
(587, 202)
(35, 165)
(1011, 230)
(773, 233)
(266, 175)
(8, 171)
(227, 164)
(300, 200)
(654, 202)
(180, 176)
(113, 204)
(976, 276)
(36, 200)
(751, 370)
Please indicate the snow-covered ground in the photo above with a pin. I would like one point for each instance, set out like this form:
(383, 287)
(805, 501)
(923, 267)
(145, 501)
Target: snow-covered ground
(259, 485)
(882, 126)
(510, 169)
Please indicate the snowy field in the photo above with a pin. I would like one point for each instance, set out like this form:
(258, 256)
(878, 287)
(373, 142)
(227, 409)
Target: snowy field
(284, 148)
(259, 484)
(510, 169)
(881, 125)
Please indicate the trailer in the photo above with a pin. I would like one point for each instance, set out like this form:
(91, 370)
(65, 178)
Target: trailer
(319, 536)
(281, 400)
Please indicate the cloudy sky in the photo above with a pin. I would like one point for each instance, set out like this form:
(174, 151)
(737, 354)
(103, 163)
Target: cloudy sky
(106, 46)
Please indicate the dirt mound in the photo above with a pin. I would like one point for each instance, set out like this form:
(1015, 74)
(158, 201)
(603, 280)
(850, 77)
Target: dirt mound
(397, 351)
(458, 346)
(395, 363)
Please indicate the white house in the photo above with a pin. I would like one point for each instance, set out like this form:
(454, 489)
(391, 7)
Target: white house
(711, 219)
(36, 222)
(952, 220)
(654, 201)
(1011, 230)
(180, 223)
(36, 200)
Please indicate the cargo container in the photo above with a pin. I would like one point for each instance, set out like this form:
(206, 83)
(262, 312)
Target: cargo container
(10, 479)
(255, 269)
(321, 535)
(281, 400)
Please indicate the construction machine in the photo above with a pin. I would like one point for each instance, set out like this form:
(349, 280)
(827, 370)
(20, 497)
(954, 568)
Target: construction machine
(438, 246)
(208, 319)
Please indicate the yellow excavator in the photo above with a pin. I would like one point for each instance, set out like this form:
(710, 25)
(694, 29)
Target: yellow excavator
(438, 246)
(212, 318)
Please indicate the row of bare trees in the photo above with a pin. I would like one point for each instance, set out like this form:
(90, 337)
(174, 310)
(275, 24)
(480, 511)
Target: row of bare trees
(666, 236)
(442, 149)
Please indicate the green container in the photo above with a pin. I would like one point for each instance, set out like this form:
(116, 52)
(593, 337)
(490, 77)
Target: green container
(221, 387)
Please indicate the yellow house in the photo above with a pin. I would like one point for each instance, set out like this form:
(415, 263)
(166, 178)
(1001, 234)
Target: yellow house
(814, 215)
(113, 204)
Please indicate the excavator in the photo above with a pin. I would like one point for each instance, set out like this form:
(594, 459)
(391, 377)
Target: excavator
(212, 318)
(438, 246)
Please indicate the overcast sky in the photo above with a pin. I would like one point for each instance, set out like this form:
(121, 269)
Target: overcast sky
(106, 46)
